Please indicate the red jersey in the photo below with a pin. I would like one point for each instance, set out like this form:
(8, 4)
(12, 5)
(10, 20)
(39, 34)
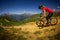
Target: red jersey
(47, 10)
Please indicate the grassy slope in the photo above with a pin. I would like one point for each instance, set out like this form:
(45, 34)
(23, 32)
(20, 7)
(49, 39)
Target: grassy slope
(37, 16)
(30, 32)
(31, 19)
(26, 32)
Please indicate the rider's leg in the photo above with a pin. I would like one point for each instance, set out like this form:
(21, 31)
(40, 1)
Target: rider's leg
(48, 17)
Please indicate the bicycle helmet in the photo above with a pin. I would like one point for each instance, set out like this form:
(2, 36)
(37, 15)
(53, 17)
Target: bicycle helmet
(39, 7)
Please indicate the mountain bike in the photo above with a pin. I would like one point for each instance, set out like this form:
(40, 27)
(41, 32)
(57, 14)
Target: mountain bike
(41, 22)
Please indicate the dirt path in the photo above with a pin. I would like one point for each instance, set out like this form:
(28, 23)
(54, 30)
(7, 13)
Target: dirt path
(32, 27)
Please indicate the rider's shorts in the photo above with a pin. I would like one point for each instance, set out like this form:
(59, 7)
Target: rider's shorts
(49, 16)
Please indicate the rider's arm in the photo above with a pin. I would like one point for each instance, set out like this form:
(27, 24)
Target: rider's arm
(44, 14)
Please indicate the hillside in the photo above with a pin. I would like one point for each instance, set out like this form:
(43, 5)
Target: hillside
(12, 20)
(17, 17)
(30, 31)
(37, 16)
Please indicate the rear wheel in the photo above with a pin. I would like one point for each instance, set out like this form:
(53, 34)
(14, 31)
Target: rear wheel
(54, 21)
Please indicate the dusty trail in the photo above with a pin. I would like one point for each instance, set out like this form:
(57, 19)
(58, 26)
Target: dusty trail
(32, 27)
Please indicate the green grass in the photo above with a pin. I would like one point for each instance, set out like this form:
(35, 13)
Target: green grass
(12, 22)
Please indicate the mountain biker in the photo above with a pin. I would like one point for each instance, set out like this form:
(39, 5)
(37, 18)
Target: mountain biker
(45, 10)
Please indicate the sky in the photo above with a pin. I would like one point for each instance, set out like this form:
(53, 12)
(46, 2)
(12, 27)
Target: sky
(26, 6)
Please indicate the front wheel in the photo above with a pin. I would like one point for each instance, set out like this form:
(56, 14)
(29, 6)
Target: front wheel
(39, 23)
(54, 21)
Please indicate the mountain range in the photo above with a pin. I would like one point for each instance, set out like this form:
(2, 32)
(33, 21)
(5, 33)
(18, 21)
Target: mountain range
(17, 17)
